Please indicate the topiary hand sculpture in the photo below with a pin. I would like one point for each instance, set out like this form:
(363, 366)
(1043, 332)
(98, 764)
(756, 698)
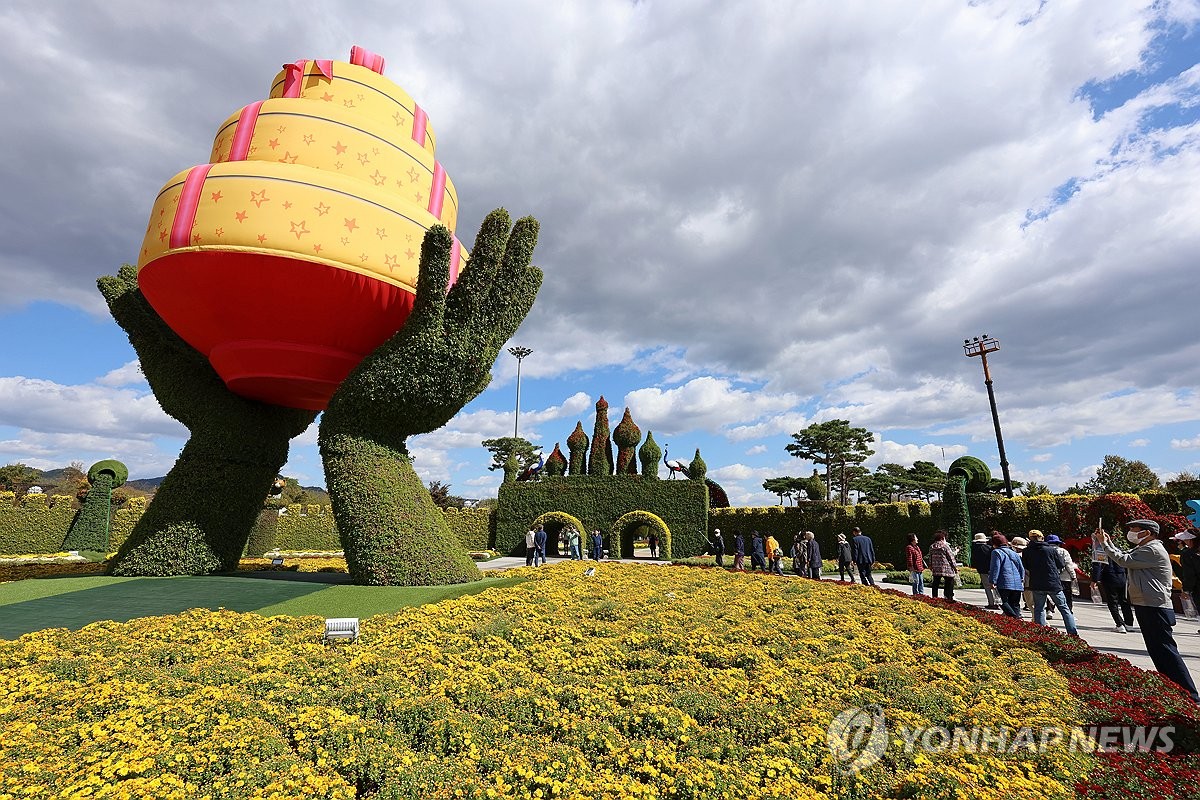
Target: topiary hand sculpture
(414, 383)
(204, 510)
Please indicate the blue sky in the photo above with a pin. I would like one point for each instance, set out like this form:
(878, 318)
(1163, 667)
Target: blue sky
(753, 218)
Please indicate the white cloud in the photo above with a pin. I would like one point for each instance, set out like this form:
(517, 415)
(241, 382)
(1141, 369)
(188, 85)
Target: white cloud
(1186, 444)
(1139, 442)
(128, 374)
(1041, 458)
(758, 449)
(704, 403)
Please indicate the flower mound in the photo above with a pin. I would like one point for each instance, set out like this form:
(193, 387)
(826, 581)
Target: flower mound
(638, 682)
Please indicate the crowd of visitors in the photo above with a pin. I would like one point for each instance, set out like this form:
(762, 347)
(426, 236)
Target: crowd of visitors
(1032, 574)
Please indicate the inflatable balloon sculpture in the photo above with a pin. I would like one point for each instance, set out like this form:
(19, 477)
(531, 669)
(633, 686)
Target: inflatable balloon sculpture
(312, 265)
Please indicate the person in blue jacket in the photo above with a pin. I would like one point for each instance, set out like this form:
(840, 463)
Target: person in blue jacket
(1006, 571)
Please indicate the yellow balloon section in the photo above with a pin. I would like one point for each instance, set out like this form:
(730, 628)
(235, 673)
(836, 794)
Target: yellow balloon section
(294, 252)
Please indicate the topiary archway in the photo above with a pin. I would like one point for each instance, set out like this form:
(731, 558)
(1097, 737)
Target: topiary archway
(635, 519)
(555, 521)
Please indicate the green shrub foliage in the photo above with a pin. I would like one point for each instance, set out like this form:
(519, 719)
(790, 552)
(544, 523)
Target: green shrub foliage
(627, 435)
(599, 502)
(600, 460)
(577, 443)
(390, 529)
(33, 525)
(556, 463)
(698, 470)
(263, 534)
(89, 531)
(474, 527)
(236, 448)
(649, 455)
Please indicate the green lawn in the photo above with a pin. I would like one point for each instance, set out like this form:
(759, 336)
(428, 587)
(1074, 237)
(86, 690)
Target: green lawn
(33, 605)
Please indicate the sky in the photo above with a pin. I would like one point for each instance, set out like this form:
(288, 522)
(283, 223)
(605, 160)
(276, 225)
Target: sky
(754, 216)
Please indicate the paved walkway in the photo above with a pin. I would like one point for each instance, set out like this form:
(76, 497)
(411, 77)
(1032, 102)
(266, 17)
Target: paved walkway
(1094, 622)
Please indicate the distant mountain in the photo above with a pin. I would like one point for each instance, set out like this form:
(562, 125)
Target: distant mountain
(145, 484)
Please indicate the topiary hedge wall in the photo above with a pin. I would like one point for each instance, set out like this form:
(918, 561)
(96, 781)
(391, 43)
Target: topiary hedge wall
(474, 527)
(35, 524)
(598, 501)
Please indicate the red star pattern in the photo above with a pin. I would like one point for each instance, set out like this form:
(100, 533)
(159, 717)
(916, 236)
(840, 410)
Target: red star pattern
(162, 235)
(273, 143)
(363, 257)
(327, 97)
(339, 148)
(381, 233)
(321, 209)
(400, 119)
(216, 197)
(300, 228)
(345, 240)
(288, 158)
(309, 138)
(240, 215)
(413, 174)
(338, 164)
(282, 128)
(262, 237)
(348, 103)
(195, 238)
(316, 248)
(287, 204)
(409, 252)
(258, 198)
(419, 197)
(219, 232)
(389, 261)
(351, 224)
(363, 159)
(379, 178)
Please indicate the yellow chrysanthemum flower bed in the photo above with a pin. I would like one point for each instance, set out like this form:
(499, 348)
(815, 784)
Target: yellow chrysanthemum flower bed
(637, 682)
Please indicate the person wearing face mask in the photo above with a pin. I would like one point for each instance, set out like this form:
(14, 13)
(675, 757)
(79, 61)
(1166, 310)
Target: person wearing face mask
(1149, 585)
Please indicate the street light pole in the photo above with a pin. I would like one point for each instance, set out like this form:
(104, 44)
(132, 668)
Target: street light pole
(981, 346)
(520, 353)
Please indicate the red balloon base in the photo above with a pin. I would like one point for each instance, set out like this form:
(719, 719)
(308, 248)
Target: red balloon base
(278, 329)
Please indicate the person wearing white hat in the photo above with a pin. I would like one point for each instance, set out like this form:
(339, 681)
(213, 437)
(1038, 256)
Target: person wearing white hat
(1149, 583)
(981, 561)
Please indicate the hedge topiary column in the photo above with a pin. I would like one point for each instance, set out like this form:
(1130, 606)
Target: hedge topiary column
(577, 443)
(89, 529)
(966, 474)
(627, 435)
(698, 470)
(203, 512)
(414, 383)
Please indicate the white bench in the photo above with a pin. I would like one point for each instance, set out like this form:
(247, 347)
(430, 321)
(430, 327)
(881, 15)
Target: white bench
(340, 628)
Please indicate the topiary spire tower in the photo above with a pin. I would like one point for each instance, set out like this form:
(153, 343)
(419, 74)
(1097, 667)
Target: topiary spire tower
(577, 442)
(600, 460)
(697, 470)
(649, 455)
(627, 435)
(556, 463)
